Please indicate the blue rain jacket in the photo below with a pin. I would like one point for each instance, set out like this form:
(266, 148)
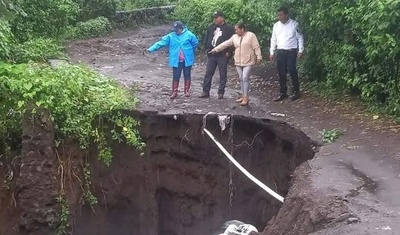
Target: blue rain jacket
(186, 41)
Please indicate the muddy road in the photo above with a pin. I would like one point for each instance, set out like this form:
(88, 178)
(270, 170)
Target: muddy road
(350, 187)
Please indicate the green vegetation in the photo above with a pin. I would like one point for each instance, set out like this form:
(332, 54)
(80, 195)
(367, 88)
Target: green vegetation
(81, 101)
(329, 136)
(48, 19)
(138, 4)
(97, 27)
(354, 46)
(197, 14)
(57, 19)
(83, 104)
(37, 49)
(63, 215)
(87, 194)
(351, 46)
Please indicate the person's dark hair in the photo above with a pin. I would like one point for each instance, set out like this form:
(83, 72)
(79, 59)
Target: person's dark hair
(241, 25)
(284, 10)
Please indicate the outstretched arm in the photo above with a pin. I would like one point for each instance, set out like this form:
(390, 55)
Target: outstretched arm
(228, 43)
(160, 44)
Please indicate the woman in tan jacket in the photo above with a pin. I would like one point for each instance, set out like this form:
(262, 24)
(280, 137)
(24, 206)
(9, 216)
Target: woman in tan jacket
(247, 54)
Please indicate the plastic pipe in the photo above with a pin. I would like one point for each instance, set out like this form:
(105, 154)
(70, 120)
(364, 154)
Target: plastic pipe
(243, 170)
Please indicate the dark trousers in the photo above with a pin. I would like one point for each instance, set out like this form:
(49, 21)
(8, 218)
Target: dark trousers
(212, 63)
(286, 61)
(177, 72)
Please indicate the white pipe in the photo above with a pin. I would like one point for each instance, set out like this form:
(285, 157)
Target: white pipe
(242, 169)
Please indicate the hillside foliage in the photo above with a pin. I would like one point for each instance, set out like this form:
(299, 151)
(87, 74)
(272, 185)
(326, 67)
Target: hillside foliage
(351, 46)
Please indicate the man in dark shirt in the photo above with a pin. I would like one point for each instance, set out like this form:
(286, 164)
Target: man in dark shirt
(217, 33)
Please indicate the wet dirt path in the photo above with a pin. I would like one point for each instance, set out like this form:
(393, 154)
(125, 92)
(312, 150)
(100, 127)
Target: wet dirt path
(367, 154)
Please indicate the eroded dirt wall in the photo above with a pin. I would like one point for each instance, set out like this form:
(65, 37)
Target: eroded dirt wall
(182, 183)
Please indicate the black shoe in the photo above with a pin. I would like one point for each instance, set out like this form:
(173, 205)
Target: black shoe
(220, 96)
(280, 97)
(295, 96)
(204, 95)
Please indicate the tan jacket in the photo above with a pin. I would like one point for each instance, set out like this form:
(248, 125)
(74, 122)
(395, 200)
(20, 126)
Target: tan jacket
(247, 48)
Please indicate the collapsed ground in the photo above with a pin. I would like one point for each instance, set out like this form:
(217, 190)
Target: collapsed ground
(350, 187)
(367, 154)
(184, 185)
(181, 184)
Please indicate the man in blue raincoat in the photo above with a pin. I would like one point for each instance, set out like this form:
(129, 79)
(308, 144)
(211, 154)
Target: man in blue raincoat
(182, 45)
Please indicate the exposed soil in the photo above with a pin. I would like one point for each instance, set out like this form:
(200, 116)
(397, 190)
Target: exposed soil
(30, 182)
(369, 144)
(182, 183)
(185, 185)
(7, 204)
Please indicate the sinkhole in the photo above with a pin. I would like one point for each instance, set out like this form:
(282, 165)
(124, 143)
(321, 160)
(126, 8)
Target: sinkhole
(184, 184)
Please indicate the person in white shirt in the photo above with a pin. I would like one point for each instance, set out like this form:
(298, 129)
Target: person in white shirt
(287, 45)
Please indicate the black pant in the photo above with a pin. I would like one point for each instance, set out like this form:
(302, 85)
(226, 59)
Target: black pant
(212, 63)
(286, 60)
(177, 71)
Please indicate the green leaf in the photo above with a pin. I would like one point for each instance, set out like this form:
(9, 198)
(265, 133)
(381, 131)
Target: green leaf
(27, 86)
(21, 103)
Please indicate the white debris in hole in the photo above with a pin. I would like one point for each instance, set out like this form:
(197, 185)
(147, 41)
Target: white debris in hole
(175, 117)
(223, 121)
(236, 227)
(384, 228)
(107, 67)
(278, 114)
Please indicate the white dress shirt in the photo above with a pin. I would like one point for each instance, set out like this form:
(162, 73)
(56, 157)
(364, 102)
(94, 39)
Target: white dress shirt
(286, 36)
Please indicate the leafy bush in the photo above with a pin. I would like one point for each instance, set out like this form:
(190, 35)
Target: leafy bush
(8, 9)
(137, 4)
(330, 136)
(6, 40)
(44, 18)
(197, 14)
(39, 49)
(98, 27)
(55, 18)
(80, 101)
(354, 45)
(91, 9)
(350, 45)
(260, 21)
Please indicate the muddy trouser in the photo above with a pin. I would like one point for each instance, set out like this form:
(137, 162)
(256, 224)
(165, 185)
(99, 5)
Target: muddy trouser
(244, 77)
(212, 63)
(177, 72)
(286, 60)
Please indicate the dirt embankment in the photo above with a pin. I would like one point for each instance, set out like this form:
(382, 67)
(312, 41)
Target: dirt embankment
(30, 181)
(182, 185)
